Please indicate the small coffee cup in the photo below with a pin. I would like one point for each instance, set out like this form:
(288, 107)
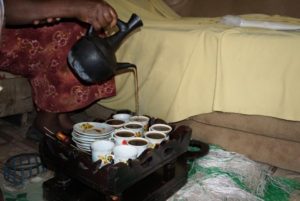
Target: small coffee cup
(165, 128)
(122, 153)
(122, 116)
(115, 123)
(141, 144)
(136, 127)
(141, 119)
(155, 137)
(102, 150)
(121, 136)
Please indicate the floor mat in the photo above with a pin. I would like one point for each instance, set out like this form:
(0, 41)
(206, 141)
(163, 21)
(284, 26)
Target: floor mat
(30, 191)
(223, 175)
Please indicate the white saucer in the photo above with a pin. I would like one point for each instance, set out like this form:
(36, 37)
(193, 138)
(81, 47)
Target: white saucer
(93, 129)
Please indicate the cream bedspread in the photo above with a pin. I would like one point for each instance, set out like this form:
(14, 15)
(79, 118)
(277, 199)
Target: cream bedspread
(189, 66)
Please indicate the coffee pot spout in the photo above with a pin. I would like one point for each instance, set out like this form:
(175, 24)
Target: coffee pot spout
(124, 29)
(121, 67)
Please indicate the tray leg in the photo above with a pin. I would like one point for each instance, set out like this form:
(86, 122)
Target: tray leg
(169, 171)
(113, 198)
(63, 180)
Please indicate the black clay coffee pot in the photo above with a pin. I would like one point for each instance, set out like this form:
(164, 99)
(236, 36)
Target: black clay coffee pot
(93, 59)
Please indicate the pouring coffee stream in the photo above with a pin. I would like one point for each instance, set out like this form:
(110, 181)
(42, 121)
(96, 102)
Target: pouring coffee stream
(93, 59)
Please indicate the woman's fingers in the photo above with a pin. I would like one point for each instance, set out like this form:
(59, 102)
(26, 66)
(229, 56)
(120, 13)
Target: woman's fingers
(46, 21)
(114, 16)
(100, 15)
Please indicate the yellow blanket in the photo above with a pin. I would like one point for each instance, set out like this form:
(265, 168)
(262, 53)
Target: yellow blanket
(258, 73)
(189, 66)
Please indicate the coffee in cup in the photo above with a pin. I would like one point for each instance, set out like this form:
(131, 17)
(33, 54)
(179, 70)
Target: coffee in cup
(136, 127)
(155, 137)
(141, 119)
(115, 123)
(121, 136)
(165, 128)
(139, 143)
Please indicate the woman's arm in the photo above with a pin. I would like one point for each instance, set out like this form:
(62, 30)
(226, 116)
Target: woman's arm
(96, 12)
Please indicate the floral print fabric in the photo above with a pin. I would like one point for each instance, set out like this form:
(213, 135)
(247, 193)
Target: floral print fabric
(40, 54)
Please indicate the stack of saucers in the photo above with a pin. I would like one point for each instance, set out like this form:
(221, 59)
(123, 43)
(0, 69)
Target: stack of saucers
(85, 133)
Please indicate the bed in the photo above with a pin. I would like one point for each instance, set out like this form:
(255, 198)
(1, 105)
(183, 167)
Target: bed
(236, 87)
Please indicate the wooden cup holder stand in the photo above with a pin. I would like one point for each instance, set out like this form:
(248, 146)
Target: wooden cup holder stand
(154, 176)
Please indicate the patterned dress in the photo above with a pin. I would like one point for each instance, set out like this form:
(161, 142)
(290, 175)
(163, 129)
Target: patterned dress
(40, 54)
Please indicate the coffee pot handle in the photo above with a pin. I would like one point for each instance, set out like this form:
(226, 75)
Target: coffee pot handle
(133, 23)
(90, 30)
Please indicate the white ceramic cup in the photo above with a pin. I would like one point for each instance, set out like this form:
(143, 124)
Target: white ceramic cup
(165, 128)
(136, 127)
(122, 116)
(122, 153)
(155, 137)
(121, 136)
(141, 144)
(102, 149)
(141, 119)
(115, 123)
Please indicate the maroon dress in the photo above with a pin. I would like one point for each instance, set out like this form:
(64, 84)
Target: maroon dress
(40, 54)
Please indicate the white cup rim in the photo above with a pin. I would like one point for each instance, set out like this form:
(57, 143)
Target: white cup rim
(134, 122)
(152, 128)
(164, 125)
(150, 132)
(139, 116)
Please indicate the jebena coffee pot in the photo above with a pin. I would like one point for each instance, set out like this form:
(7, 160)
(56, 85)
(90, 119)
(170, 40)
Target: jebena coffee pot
(93, 59)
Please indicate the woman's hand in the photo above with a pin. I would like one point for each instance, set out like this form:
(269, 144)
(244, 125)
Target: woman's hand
(98, 13)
